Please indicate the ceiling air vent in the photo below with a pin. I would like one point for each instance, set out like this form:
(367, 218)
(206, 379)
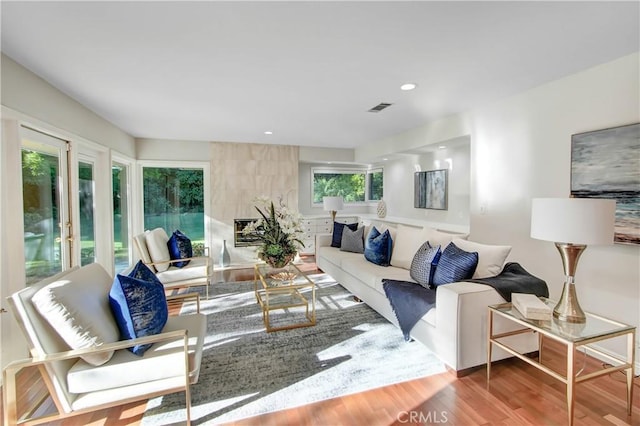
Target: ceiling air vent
(380, 107)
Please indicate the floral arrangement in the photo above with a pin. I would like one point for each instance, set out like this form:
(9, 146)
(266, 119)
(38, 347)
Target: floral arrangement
(279, 230)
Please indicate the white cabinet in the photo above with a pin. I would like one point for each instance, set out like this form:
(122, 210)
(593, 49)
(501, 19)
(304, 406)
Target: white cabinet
(319, 225)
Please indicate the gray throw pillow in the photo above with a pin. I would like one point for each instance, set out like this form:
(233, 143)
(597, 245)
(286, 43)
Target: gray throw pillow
(352, 241)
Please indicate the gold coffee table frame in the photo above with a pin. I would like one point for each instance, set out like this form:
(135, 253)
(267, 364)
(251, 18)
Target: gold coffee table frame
(282, 289)
(573, 335)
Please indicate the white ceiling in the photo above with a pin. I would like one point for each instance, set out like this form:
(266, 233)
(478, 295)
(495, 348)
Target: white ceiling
(308, 71)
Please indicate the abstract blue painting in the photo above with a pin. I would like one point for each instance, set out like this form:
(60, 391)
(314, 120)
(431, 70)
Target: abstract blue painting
(430, 190)
(606, 164)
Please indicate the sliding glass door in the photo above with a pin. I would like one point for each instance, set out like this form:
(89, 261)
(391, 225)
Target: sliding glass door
(59, 197)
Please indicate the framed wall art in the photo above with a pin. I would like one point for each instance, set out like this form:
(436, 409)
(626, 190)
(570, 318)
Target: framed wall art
(430, 190)
(606, 164)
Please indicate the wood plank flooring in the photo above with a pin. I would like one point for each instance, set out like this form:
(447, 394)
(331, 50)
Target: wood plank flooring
(517, 395)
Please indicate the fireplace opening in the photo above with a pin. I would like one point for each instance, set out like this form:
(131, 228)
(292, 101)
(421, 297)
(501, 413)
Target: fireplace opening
(244, 240)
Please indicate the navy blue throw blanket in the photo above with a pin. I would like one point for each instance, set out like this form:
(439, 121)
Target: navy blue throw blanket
(410, 301)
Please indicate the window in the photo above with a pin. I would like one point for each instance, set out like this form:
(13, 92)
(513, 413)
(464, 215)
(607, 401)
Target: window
(354, 185)
(86, 184)
(374, 184)
(174, 199)
(121, 211)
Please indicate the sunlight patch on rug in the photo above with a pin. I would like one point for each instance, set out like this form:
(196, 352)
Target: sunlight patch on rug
(246, 371)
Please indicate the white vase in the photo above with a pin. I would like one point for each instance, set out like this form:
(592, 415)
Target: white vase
(381, 208)
(225, 259)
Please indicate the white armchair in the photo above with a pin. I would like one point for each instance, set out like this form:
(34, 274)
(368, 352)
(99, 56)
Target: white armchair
(152, 250)
(170, 365)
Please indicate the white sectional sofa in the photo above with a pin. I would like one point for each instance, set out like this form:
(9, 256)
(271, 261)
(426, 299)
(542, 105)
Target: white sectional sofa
(456, 329)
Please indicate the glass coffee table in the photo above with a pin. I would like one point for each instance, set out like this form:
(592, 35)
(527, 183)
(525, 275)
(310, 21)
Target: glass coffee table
(573, 336)
(287, 289)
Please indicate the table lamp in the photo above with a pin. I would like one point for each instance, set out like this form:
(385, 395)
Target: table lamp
(332, 204)
(572, 224)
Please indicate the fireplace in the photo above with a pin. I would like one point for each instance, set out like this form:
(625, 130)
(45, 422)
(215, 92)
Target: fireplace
(239, 238)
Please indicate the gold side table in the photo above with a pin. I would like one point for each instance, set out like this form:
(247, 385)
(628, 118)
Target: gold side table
(284, 288)
(573, 335)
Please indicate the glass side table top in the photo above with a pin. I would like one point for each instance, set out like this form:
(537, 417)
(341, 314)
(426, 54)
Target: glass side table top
(289, 276)
(594, 327)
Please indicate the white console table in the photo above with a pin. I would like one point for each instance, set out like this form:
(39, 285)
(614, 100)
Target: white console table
(319, 225)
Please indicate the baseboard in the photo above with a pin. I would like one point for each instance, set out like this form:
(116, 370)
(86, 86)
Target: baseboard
(467, 371)
(461, 373)
(613, 354)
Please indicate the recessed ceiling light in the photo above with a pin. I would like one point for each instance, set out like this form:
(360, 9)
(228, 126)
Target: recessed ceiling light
(384, 159)
(408, 86)
(268, 132)
(442, 147)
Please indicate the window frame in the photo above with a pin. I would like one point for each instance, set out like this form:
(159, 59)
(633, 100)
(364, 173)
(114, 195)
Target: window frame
(130, 190)
(367, 171)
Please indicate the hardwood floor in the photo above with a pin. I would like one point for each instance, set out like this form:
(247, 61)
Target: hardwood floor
(517, 395)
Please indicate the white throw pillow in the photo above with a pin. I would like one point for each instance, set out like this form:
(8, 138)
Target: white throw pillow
(158, 250)
(79, 311)
(491, 258)
(407, 242)
(141, 242)
(392, 231)
(439, 238)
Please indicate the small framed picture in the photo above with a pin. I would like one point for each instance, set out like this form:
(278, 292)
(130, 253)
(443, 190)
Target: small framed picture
(430, 190)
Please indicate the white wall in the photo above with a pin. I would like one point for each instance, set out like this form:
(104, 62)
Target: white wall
(399, 185)
(309, 154)
(172, 150)
(520, 149)
(25, 92)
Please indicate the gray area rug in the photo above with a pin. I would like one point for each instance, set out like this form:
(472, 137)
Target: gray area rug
(247, 372)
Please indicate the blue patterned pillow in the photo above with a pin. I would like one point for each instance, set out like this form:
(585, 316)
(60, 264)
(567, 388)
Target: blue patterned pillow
(336, 238)
(139, 308)
(179, 248)
(455, 265)
(377, 247)
(423, 265)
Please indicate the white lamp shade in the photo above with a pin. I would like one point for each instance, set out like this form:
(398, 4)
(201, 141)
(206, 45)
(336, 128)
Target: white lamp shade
(573, 220)
(332, 203)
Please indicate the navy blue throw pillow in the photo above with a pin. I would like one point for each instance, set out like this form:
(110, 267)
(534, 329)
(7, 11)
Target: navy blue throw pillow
(139, 308)
(336, 238)
(455, 265)
(179, 248)
(142, 272)
(377, 247)
(423, 265)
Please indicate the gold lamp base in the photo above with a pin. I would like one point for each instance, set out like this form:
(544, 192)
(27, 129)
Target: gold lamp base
(568, 309)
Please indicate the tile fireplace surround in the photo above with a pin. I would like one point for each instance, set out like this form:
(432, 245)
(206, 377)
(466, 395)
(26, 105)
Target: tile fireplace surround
(241, 172)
